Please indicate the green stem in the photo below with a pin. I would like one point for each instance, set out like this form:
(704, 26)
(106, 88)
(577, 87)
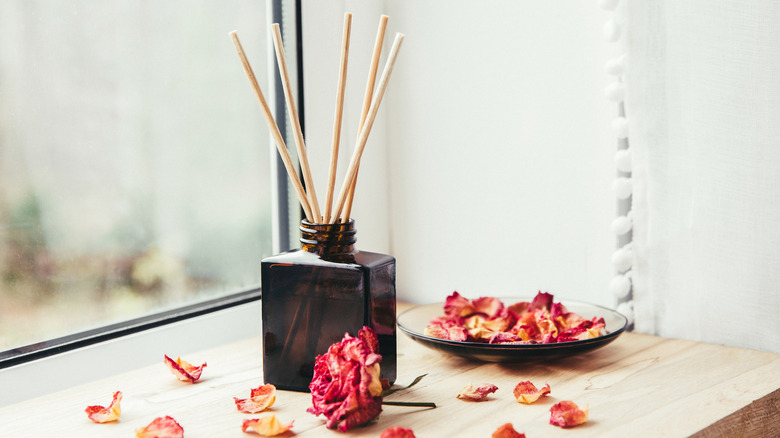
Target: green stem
(410, 404)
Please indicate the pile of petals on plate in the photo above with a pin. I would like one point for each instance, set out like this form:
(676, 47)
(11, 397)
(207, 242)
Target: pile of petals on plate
(488, 320)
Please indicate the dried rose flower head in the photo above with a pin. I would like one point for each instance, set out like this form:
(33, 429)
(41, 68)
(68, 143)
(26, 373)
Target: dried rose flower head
(346, 387)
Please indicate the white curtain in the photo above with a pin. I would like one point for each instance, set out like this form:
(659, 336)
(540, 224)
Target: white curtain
(703, 103)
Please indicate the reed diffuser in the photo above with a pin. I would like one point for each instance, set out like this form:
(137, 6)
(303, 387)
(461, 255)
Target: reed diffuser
(313, 295)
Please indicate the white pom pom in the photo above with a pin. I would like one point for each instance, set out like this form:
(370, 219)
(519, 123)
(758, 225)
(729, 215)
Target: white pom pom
(622, 225)
(623, 160)
(608, 5)
(621, 259)
(627, 309)
(615, 92)
(620, 286)
(611, 31)
(622, 187)
(620, 127)
(615, 66)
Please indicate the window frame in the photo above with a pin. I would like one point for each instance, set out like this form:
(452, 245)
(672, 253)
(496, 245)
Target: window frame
(287, 14)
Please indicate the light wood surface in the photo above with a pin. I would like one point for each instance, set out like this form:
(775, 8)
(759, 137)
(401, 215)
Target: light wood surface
(638, 385)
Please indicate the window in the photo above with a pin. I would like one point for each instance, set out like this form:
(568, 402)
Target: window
(135, 168)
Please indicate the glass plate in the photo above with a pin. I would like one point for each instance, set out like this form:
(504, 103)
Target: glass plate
(413, 322)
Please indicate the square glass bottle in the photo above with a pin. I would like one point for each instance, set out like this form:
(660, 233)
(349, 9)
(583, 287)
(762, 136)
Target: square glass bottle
(312, 296)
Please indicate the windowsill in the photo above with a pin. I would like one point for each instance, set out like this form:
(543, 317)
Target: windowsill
(642, 383)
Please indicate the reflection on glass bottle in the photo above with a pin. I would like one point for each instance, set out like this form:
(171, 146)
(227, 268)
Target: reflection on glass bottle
(312, 296)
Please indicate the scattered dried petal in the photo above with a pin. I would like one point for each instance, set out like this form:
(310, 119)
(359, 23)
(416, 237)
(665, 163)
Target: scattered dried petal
(397, 432)
(99, 414)
(161, 427)
(477, 393)
(526, 392)
(184, 371)
(507, 431)
(567, 414)
(260, 399)
(266, 426)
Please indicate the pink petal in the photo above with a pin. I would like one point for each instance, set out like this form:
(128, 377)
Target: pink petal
(183, 370)
(477, 393)
(260, 399)
(99, 414)
(526, 392)
(161, 427)
(567, 414)
(266, 426)
(507, 431)
(397, 432)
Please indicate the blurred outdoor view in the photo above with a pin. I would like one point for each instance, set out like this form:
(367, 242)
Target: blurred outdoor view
(134, 162)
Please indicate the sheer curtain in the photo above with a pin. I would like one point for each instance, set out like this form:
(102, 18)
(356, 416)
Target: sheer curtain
(703, 100)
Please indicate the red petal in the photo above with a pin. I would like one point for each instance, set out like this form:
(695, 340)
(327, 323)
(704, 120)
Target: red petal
(507, 431)
(397, 432)
(477, 393)
(567, 414)
(183, 370)
(266, 426)
(161, 427)
(526, 392)
(260, 399)
(99, 414)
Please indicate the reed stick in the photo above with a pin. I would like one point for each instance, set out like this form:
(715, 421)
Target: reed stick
(301, 147)
(372, 112)
(380, 38)
(277, 136)
(334, 153)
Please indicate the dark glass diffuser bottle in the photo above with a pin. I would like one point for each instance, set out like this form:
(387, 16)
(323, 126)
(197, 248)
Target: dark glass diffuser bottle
(312, 296)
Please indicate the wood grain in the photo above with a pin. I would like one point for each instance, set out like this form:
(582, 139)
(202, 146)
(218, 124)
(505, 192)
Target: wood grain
(637, 386)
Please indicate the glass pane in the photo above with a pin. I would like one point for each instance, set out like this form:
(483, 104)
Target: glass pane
(134, 163)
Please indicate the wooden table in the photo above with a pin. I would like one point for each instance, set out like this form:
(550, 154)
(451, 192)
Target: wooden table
(638, 385)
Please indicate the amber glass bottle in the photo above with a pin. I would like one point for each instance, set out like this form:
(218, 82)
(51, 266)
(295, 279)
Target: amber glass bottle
(312, 296)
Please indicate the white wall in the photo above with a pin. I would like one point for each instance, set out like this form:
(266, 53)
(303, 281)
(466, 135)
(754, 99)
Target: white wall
(490, 168)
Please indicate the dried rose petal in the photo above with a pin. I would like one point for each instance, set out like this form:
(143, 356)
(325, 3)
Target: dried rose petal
(477, 393)
(183, 370)
(397, 432)
(161, 427)
(526, 392)
(507, 431)
(260, 398)
(99, 414)
(266, 426)
(567, 414)
(346, 386)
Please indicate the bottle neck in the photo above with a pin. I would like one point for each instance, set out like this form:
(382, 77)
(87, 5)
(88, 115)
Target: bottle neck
(328, 239)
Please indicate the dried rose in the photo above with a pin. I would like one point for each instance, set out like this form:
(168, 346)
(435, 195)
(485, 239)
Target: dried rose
(161, 427)
(260, 399)
(477, 393)
(266, 426)
(183, 370)
(397, 432)
(346, 387)
(507, 431)
(526, 392)
(99, 414)
(567, 414)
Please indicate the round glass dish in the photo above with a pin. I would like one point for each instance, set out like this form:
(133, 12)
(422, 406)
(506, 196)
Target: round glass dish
(413, 322)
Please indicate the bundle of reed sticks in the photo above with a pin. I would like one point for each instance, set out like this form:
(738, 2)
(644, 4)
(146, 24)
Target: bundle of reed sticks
(373, 97)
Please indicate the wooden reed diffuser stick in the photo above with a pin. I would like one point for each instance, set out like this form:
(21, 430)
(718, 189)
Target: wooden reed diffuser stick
(380, 38)
(372, 112)
(277, 136)
(301, 147)
(334, 154)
